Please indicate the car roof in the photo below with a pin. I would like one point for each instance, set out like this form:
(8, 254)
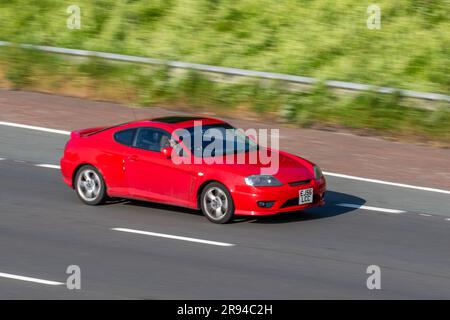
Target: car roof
(177, 122)
(177, 119)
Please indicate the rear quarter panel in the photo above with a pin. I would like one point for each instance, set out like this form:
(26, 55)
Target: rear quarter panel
(95, 150)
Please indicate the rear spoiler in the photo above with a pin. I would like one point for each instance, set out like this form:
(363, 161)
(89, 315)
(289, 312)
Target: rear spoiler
(86, 132)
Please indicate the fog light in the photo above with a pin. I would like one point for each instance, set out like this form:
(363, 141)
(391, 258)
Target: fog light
(265, 204)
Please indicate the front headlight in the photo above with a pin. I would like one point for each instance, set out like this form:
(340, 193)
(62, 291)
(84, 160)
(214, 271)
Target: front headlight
(262, 181)
(317, 172)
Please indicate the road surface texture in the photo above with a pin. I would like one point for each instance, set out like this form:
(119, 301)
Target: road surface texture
(319, 253)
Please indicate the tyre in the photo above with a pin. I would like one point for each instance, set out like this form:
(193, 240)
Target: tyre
(90, 186)
(216, 203)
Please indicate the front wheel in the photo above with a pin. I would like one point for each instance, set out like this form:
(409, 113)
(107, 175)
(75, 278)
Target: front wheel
(90, 186)
(216, 203)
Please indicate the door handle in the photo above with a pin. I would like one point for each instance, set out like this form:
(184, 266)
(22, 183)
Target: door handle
(133, 158)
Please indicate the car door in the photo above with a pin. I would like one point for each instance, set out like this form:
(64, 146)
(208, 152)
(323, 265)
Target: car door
(152, 175)
(113, 159)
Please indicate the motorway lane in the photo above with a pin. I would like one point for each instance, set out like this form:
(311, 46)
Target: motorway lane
(31, 145)
(322, 253)
(44, 229)
(385, 196)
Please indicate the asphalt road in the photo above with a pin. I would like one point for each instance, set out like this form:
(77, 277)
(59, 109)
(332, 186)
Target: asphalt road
(320, 253)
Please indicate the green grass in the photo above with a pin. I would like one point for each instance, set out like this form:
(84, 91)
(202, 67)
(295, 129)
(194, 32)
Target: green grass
(322, 38)
(389, 115)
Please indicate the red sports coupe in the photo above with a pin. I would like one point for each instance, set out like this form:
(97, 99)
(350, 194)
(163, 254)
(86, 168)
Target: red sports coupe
(151, 160)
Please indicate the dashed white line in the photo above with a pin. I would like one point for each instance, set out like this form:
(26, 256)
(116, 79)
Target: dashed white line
(36, 280)
(358, 206)
(448, 219)
(169, 236)
(425, 215)
(49, 166)
(25, 126)
(2, 159)
(395, 184)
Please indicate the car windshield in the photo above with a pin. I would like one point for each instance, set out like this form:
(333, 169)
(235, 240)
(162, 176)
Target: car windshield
(215, 140)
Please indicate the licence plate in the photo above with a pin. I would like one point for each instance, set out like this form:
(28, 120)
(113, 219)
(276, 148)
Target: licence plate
(305, 196)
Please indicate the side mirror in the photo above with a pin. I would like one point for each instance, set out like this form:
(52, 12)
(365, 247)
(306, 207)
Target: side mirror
(167, 152)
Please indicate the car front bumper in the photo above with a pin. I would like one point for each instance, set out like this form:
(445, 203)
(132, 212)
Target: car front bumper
(284, 198)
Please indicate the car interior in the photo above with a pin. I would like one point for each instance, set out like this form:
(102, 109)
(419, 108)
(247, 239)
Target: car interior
(153, 140)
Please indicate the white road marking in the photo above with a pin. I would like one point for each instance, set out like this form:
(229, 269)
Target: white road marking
(395, 184)
(24, 126)
(424, 215)
(2, 159)
(338, 175)
(22, 278)
(358, 206)
(49, 166)
(448, 219)
(168, 236)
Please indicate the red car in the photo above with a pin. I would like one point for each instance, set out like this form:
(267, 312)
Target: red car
(152, 160)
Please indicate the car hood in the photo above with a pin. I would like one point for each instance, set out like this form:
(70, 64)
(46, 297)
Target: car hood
(289, 168)
(293, 168)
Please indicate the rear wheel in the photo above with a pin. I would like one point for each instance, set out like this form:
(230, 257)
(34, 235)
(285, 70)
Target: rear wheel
(90, 186)
(216, 203)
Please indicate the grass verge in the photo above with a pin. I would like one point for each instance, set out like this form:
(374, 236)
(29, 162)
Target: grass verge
(387, 115)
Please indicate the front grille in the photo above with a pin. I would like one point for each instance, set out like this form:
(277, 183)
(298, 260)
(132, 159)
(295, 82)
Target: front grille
(290, 203)
(294, 202)
(299, 183)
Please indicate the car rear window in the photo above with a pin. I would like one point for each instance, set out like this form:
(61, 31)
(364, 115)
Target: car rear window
(125, 137)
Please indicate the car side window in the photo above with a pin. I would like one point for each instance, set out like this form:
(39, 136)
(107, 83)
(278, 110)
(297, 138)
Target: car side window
(152, 139)
(125, 137)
